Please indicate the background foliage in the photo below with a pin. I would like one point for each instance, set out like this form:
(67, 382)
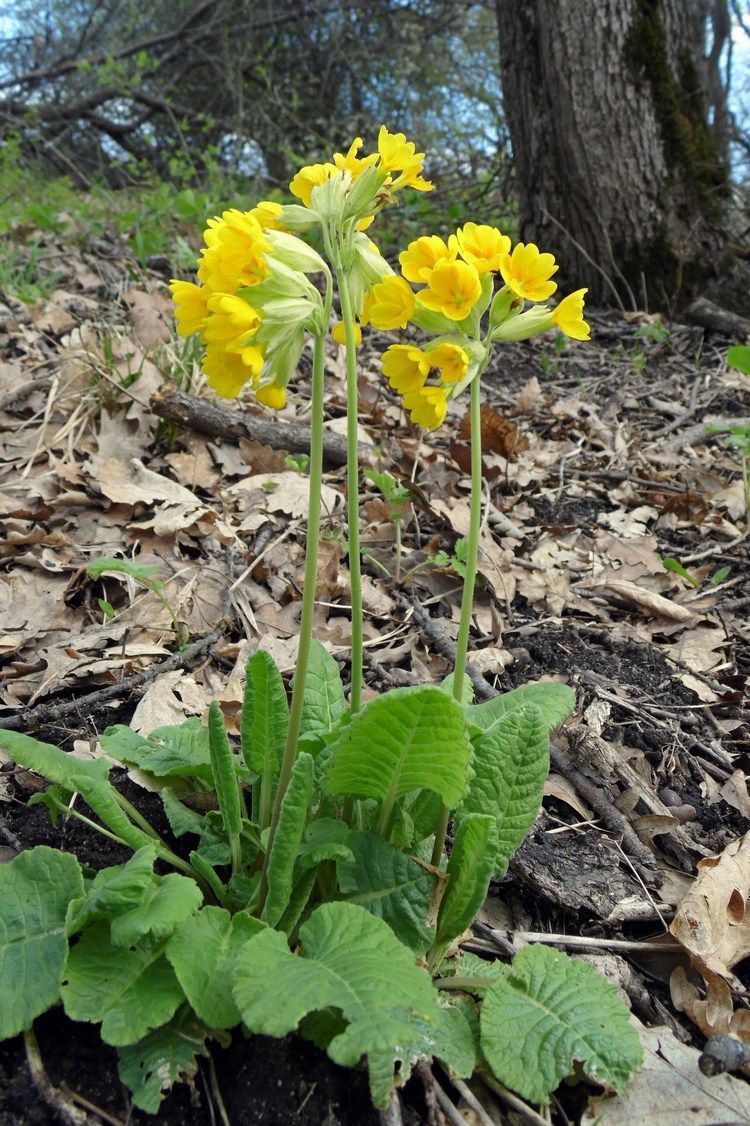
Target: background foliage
(192, 103)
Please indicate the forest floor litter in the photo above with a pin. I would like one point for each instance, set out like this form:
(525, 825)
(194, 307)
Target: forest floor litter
(614, 558)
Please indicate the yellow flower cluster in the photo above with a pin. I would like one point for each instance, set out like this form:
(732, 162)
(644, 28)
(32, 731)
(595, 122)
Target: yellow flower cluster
(252, 304)
(457, 286)
(233, 258)
(396, 163)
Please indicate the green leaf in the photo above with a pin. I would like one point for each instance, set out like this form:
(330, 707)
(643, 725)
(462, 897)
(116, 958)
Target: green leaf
(469, 872)
(738, 357)
(674, 565)
(549, 1010)
(555, 702)
(173, 751)
(467, 688)
(206, 979)
(325, 838)
(407, 739)
(265, 719)
(391, 886)
(150, 1068)
(131, 991)
(35, 890)
(115, 890)
(298, 899)
(224, 773)
(350, 961)
(90, 778)
(511, 763)
(182, 819)
(145, 573)
(450, 1038)
(294, 810)
(323, 702)
(167, 900)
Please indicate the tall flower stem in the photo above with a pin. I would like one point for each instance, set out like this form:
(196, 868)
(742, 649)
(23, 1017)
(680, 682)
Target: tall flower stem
(308, 593)
(352, 490)
(467, 599)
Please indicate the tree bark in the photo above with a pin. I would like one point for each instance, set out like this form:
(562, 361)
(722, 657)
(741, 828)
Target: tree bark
(616, 172)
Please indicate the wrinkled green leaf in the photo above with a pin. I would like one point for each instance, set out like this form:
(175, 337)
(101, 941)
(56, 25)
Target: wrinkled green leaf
(511, 763)
(90, 778)
(115, 890)
(325, 838)
(407, 739)
(349, 961)
(131, 991)
(202, 952)
(265, 720)
(151, 1067)
(549, 1010)
(35, 890)
(294, 811)
(224, 772)
(469, 871)
(555, 703)
(323, 701)
(391, 886)
(167, 900)
(173, 751)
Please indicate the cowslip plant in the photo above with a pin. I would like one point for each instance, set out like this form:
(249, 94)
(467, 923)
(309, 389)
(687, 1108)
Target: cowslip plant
(307, 886)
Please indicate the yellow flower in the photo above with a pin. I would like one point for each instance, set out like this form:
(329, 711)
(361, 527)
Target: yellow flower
(569, 316)
(309, 177)
(353, 164)
(427, 406)
(396, 153)
(453, 289)
(267, 213)
(482, 246)
(232, 322)
(338, 333)
(422, 256)
(228, 372)
(272, 396)
(406, 367)
(191, 311)
(235, 252)
(390, 305)
(527, 272)
(451, 360)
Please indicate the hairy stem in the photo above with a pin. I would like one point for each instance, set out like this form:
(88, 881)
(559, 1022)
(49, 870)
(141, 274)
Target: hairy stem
(352, 489)
(308, 594)
(467, 599)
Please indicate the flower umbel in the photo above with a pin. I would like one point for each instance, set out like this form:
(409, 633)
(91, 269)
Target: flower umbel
(456, 284)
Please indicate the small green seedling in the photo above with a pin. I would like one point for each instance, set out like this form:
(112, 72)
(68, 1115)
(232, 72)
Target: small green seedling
(143, 573)
(398, 497)
(297, 462)
(716, 578)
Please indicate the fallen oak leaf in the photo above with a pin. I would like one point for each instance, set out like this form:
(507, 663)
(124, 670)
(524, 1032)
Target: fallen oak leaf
(712, 921)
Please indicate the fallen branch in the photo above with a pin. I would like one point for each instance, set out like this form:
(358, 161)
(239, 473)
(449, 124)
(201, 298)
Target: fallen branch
(207, 417)
(704, 313)
(52, 712)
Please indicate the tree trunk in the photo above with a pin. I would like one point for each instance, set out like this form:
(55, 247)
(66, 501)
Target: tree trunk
(616, 172)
